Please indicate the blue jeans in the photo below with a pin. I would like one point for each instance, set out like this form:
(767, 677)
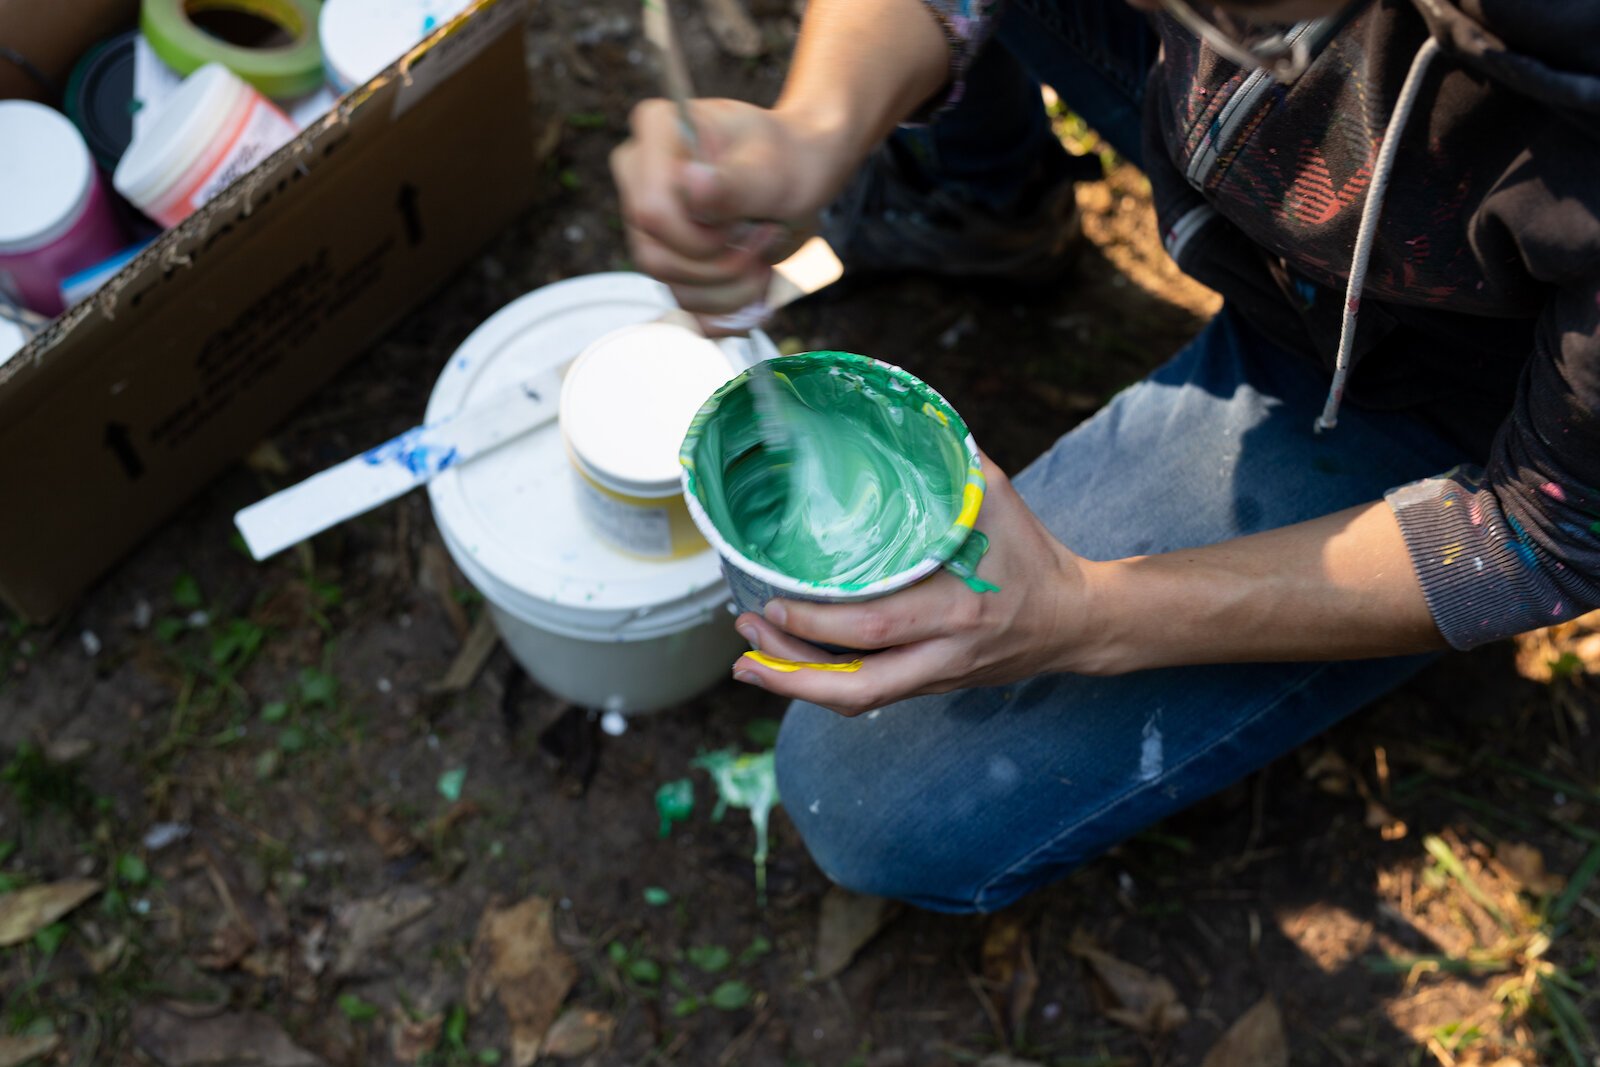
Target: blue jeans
(967, 801)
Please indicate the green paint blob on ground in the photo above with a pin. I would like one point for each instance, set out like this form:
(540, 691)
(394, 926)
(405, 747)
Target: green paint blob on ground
(674, 803)
(872, 481)
(750, 782)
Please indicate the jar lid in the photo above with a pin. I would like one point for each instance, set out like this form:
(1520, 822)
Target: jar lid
(46, 175)
(185, 129)
(100, 98)
(629, 399)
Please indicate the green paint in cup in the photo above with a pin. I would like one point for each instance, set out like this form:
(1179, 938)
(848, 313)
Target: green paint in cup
(879, 485)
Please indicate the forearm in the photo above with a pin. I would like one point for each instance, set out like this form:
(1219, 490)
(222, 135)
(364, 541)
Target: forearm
(859, 68)
(1338, 587)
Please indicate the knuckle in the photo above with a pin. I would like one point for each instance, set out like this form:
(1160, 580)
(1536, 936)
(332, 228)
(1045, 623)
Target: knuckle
(644, 114)
(874, 628)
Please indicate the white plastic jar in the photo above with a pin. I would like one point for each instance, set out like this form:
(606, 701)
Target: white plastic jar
(55, 216)
(212, 130)
(625, 405)
(362, 37)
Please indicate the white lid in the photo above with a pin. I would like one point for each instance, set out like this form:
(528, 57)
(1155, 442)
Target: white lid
(46, 175)
(629, 399)
(12, 340)
(510, 518)
(362, 37)
(189, 123)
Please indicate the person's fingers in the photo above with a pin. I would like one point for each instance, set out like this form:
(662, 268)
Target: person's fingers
(667, 265)
(882, 678)
(936, 607)
(768, 639)
(726, 298)
(653, 203)
(748, 166)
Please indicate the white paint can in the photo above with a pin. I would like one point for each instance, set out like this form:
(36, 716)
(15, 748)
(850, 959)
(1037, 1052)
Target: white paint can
(590, 624)
(626, 403)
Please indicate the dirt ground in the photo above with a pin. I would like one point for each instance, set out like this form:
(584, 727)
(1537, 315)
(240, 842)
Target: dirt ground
(248, 815)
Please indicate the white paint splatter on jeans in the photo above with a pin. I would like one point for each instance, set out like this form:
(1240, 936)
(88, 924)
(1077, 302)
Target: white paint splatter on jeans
(1151, 757)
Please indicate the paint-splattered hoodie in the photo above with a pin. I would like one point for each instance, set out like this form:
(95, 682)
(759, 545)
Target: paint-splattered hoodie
(1480, 305)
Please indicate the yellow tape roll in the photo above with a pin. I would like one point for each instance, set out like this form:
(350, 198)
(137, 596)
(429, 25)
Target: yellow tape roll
(286, 64)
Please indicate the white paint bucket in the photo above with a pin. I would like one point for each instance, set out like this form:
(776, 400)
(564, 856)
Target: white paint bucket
(590, 624)
(625, 405)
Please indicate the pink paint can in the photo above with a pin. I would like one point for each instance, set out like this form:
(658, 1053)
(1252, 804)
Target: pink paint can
(213, 129)
(55, 215)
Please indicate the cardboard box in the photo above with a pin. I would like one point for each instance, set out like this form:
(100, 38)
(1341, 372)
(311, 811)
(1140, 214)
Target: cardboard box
(131, 401)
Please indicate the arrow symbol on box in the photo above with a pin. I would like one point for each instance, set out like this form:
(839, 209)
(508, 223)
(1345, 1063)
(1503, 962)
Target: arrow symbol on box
(120, 440)
(409, 194)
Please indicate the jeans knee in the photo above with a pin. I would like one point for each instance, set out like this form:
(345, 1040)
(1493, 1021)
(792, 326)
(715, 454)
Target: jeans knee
(861, 824)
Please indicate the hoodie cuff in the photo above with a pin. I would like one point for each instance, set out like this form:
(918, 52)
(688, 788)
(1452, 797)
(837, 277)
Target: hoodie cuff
(967, 24)
(1480, 578)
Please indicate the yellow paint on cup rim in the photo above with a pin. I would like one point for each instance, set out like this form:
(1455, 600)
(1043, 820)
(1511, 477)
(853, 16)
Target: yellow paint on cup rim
(625, 406)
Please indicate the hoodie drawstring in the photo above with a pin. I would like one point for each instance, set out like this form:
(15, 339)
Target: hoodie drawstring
(1369, 226)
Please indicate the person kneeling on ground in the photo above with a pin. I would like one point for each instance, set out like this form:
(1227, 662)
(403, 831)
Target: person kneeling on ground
(1387, 443)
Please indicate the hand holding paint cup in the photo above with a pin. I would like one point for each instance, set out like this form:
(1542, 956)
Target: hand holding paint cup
(879, 488)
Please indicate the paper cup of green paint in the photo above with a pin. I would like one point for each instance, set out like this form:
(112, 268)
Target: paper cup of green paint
(879, 488)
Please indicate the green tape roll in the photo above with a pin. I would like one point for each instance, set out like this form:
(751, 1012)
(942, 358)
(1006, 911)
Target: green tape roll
(287, 64)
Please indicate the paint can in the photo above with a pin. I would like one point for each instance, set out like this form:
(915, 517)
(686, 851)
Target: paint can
(55, 214)
(901, 522)
(625, 405)
(212, 130)
(360, 38)
(99, 98)
(591, 625)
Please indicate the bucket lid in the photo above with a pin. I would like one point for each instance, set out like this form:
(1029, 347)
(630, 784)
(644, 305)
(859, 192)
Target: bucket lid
(188, 124)
(629, 399)
(510, 518)
(46, 175)
(362, 37)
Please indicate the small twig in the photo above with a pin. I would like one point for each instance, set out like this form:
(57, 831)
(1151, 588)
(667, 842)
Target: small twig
(746, 1037)
(976, 985)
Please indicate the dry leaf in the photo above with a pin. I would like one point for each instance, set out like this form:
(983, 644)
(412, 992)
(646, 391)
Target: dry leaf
(1381, 819)
(1330, 772)
(1130, 995)
(102, 958)
(1526, 864)
(846, 922)
(577, 1033)
(230, 943)
(16, 1051)
(361, 927)
(231, 1039)
(1008, 969)
(68, 750)
(415, 1038)
(392, 839)
(25, 912)
(1005, 1059)
(1256, 1039)
(515, 955)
